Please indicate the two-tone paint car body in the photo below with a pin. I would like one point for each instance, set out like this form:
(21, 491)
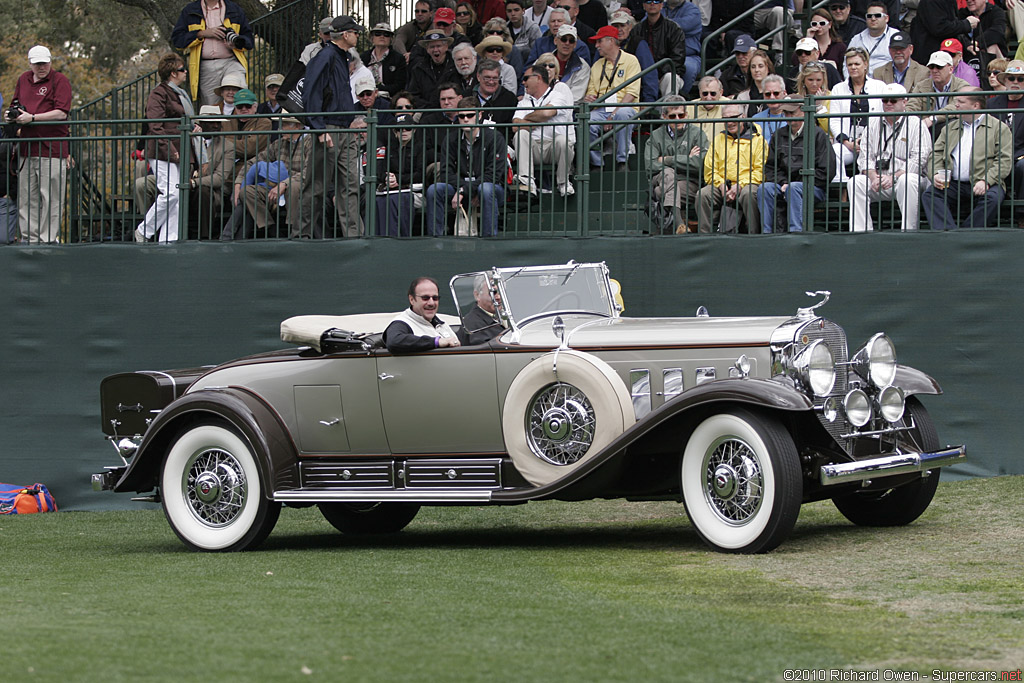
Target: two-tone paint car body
(742, 419)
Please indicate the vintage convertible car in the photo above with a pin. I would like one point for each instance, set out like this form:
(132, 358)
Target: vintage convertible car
(741, 419)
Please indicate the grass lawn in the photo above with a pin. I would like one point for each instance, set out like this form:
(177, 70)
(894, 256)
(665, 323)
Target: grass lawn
(591, 591)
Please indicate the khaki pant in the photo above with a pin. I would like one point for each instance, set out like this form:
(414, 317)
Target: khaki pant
(42, 185)
(530, 150)
(711, 198)
(211, 73)
(264, 212)
(672, 191)
(339, 166)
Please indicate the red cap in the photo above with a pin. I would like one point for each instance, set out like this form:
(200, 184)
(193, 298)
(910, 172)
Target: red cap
(606, 32)
(445, 14)
(951, 45)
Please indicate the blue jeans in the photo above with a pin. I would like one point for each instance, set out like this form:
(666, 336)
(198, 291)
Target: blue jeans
(936, 205)
(439, 200)
(8, 221)
(766, 203)
(622, 133)
(394, 214)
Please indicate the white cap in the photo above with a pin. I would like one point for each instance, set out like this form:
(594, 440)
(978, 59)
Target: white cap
(364, 84)
(807, 44)
(39, 55)
(567, 30)
(940, 58)
(895, 89)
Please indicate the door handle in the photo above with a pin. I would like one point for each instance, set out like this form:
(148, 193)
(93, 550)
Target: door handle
(330, 423)
(385, 376)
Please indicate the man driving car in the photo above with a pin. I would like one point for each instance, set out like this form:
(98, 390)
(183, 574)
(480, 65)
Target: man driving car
(418, 328)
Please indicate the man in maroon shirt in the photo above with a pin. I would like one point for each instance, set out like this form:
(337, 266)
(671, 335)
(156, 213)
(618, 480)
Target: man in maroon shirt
(45, 98)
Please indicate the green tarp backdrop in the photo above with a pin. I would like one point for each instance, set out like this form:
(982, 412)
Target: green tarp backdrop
(72, 315)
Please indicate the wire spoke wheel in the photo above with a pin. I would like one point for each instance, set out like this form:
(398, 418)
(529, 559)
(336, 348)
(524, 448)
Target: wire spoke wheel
(215, 487)
(561, 424)
(734, 482)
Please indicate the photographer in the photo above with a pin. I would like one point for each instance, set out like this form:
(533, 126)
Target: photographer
(41, 95)
(214, 35)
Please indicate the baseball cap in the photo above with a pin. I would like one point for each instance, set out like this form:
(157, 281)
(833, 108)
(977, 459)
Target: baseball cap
(951, 45)
(211, 110)
(273, 79)
(382, 27)
(895, 89)
(744, 43)
(900, 39)
(940, 58)
(566, 30)
(790, 106)
(245, 96)
(39, 55)
(345, 23)
(363, 84)
(606, 32)
(325, 24)
(620, 17)
(292, 120)
(807, 44)
(444, 14)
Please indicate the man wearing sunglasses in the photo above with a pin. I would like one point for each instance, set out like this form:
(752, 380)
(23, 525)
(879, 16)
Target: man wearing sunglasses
(893, 154)
(807, 51)
(875, 38)
(418, 328)
(546, 101)
(1013, 98)
(733, 170)
(615, 68)
(846, 23)
(943, 85)
(550, 40)
(675, 159)
(412, 32)
(711, 98)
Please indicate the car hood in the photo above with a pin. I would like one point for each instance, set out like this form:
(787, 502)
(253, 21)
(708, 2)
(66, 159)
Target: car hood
(585, 331)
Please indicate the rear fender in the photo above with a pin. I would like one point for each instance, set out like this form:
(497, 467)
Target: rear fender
(250, 416)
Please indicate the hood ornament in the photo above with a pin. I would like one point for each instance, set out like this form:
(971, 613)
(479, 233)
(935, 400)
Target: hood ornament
(808, 312)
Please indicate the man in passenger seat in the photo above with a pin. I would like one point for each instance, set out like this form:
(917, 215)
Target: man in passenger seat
(481, 324)
(418, 328)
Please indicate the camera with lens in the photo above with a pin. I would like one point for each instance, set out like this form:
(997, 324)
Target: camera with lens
(236, 41)
(15, 110)
(882, 165)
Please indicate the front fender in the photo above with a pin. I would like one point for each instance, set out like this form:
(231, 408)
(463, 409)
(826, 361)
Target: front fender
(913, 381)
(258, 424)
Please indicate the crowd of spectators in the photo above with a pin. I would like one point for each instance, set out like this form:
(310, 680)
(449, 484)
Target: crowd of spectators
(505, 79)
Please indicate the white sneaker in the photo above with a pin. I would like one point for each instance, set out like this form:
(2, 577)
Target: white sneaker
(139, 237)
(528, 184)
(567, 191)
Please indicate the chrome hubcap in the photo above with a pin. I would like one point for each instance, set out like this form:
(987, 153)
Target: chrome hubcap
(214, 486)
(734, 481)
(560, 424)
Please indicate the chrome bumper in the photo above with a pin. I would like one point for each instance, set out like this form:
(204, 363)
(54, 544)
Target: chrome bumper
(891, 465)
(105, 481)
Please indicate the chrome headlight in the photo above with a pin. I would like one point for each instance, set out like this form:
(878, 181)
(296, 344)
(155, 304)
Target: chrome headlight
(876, 361)
(816, 367)
(891, 403)
(857, 405)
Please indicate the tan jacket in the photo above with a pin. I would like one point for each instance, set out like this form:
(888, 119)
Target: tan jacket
(991, 155)
(915, 80)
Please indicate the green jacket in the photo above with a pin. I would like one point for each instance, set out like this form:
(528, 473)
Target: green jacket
(991, 156)
(676, 152)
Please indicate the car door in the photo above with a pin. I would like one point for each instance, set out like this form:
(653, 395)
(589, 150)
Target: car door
(440, 402)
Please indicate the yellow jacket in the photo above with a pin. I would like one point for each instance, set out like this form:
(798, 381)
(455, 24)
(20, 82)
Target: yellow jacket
(736, 159)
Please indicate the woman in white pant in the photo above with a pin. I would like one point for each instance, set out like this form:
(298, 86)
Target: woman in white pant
(847, 130)
(167, 101)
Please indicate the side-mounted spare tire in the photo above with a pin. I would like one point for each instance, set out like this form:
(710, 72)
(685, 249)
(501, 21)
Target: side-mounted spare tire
(561, 410)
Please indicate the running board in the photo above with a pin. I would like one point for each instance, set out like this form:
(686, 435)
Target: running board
(389, 495)
(891, 465)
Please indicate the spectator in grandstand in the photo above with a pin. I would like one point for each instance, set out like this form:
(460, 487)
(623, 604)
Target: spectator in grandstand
(666, 41)
(549, 102)
(166, 101)
(311, 50)
(995, 67)
(492, 95)
(771, 118)
(586, 31)
(806, 52)
(523, 31)
(214, 34)
(473, 172)
(225, 92)
(968, 166)
(831, 48)
(498, 28)
(779, 14)
(625, 23)
(709, 91)
(874, 40)
(367, 98)
(725, 12)
(735, 77)
(760, 68)
(496, 49)
(467, 24)
(847, 129)
(614, 68)
(275, 174)
(675, 160)
(893, 155)
(538, 12)
(439, 67)
(937, 20)
(1012, 83)
(546, 43)
(397, 198)
(271, 84)
(410, 33)
(464, 56)
(988, 40)
(444, 24)
(733, 171)
(903, 70)
(570, 69)
(845, 23)
(943, 83)
(385, 63)
(811, 81)
(960, 68)
(437, 127)
(687, 16)
(783, 168)
(334, 159)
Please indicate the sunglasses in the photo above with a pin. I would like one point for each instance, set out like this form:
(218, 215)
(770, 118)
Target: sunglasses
(816, 24)
(874, 15)
(803, 52)
(466, 117)
(837, 8)
(365, 93)
(889, 100)
(428, 297)
(567, 39)
(495, 33)
(675, 116)
(653, 2)
(462, 14)
(495, 48)
(181, 69)
(709, 93)
(772, 93)
(404, 106)
(378, 34)
(994, 72)
(1015, 79)
(442, 24)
